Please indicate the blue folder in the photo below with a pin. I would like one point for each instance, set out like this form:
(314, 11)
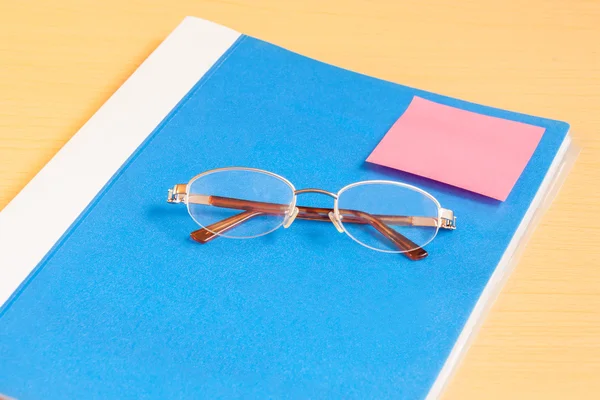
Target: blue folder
(126, 305)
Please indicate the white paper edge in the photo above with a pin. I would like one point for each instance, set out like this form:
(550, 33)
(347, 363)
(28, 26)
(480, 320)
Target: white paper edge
(501, 273)
(43, 211)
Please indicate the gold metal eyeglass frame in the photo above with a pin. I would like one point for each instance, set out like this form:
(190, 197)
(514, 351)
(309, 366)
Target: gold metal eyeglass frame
(180, 193)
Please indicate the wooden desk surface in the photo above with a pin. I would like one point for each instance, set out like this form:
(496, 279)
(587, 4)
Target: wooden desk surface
(60, 60)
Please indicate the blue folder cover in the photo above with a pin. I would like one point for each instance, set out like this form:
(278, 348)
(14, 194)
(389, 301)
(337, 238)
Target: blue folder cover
(126, 305)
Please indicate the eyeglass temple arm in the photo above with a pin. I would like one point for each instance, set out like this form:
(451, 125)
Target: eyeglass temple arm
(255, 208)
(178, 195)
(311, 213)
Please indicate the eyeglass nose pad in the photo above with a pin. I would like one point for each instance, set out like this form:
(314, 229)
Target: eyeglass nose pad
(290, 218)
(336, 222)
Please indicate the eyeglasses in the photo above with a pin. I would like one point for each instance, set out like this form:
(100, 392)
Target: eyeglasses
(244, 203)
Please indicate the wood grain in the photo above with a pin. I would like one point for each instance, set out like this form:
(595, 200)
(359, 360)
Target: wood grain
(59, 61)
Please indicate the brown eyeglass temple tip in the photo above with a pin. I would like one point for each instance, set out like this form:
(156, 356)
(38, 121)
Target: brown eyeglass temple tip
(206, 235)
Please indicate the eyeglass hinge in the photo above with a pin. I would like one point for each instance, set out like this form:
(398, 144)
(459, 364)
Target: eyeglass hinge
(447, 219)
(177, 194)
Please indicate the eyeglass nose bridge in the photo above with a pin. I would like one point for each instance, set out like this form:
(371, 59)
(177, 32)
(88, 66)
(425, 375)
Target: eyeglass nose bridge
(332, 215)
(313, 190)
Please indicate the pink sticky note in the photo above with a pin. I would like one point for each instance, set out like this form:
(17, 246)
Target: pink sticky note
(475, 152)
